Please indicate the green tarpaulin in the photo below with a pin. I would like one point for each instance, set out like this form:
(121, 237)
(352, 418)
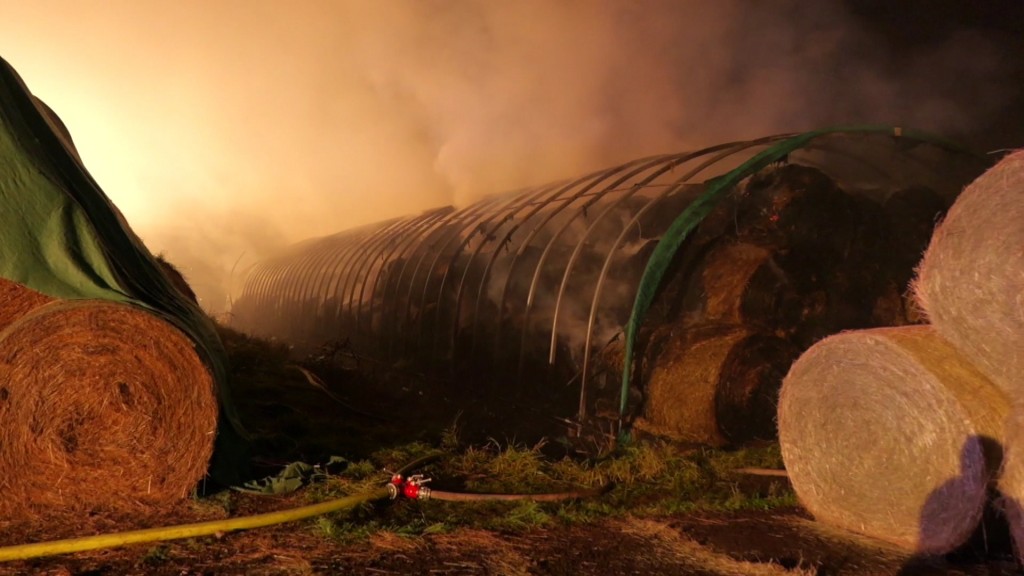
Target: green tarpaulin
(60, 235)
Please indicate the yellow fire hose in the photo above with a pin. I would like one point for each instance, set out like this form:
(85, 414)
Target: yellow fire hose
(399, 485)
(99, 541)
(25, 551)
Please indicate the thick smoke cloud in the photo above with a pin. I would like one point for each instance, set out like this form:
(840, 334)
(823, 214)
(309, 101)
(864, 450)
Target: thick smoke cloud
(227, 129)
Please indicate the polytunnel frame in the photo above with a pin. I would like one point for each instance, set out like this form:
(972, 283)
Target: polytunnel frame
(307, 287)
(493, 235)
(341, 273)
(581, 210)
(521, 249)
(677, 232)
(442, 236)
(414, 243)
(368, 254)
(444, 241)
(597, 177)
(679, 184)
(424, 221)
(326, 264)
(513, 203)
(322, 266)
(728, 148)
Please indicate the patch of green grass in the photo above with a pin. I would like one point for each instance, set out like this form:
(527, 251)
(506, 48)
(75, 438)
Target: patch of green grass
(649, 479)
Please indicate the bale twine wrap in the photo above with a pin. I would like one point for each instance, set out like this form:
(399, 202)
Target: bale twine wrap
(716, 385)
(971, 280)
(103, 407)
(17, 300)
(891, 433)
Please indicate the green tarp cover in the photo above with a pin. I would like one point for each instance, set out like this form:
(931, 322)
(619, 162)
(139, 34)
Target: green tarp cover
(60, 235)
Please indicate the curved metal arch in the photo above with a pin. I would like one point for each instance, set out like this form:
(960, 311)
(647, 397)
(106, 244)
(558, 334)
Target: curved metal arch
(532, 292)
(725, 150)
(367, 253)
(264, 287)
(492, 233)
(423, 222)
(304, 289)
(289, 287)
(254, 281)
(598, 289)
(567, 273)
(671, 160)
(321, 267)
(598, 178)
(407, 253)
(478, 225)
(519, 250)
(456, 229)
(336, 270)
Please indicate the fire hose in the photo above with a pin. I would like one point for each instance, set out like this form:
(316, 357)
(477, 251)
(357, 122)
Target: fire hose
(411, 487)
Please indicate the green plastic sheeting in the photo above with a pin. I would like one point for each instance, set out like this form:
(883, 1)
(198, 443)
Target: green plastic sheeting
(61, 236)
(715, 189)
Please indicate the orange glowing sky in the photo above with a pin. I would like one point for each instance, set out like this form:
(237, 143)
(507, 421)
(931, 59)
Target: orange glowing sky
(224, 129)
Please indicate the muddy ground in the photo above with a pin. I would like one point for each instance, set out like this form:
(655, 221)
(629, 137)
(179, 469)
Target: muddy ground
(308, 419)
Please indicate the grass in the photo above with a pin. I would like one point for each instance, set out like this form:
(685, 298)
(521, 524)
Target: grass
(650, 479)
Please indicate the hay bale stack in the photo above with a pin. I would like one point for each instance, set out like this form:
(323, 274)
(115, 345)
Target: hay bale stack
(17, 300)
(971, 280)
(742, 283)
(103, 408)
(891, 433)
(715, 385)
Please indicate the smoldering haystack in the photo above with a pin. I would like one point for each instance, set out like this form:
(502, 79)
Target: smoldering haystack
(94, 420)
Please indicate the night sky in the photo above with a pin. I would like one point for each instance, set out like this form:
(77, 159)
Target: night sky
(925, 24)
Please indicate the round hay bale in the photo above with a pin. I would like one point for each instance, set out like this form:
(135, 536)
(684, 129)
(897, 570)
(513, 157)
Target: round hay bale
(971, 280)
(799, 208)
(104, 408)
(891, 433)
(715, 385)
(742, 283)
(1011, 480)
(17, 300)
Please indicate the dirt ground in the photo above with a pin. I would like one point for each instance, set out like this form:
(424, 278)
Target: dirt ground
(780, 543)
(311, 419)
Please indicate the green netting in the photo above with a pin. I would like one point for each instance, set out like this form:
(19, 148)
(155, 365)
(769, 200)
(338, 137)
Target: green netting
(715, 189)
(60, 235)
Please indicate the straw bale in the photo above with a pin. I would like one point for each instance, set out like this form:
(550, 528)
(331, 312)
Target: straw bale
(742, 283)
(971, 280)
(103, 408)
(1011, 480)
(16, 300)
(893, 434)
(715, 385)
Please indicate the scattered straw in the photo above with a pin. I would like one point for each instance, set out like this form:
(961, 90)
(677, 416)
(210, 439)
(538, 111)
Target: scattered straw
(891, 433)
(103, 407)
(971, 281)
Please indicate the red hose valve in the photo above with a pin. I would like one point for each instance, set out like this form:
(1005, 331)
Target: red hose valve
(414, 488)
